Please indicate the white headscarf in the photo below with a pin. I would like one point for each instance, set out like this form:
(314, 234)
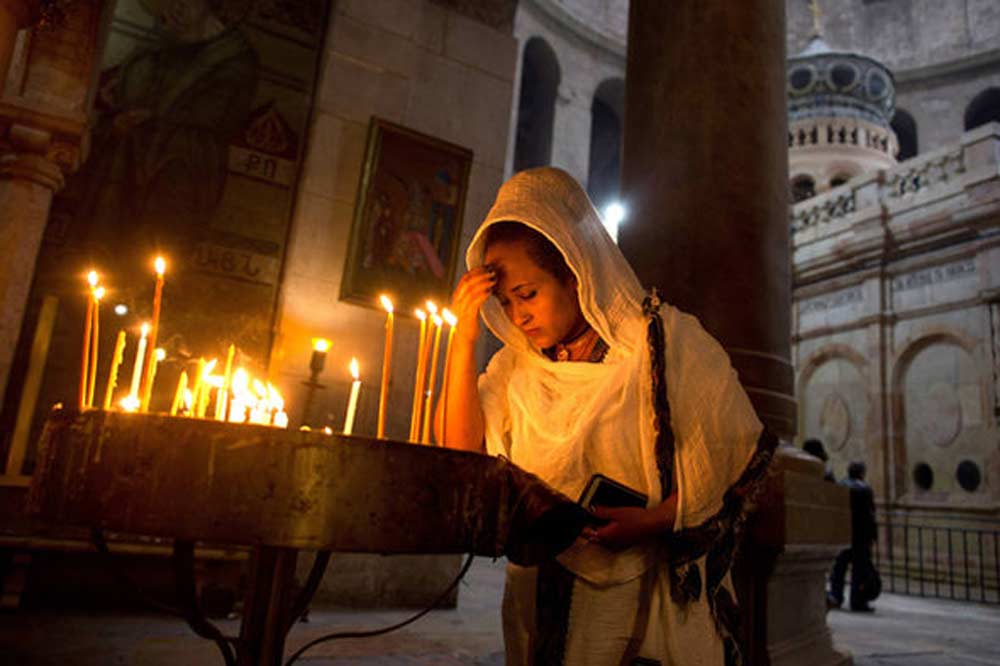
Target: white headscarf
(565, 421)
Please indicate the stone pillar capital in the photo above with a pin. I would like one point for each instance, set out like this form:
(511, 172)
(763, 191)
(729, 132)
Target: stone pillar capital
(32, 157)
(33, 168)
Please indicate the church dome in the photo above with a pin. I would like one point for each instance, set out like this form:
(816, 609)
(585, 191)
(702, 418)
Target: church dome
(824, 82)
(839, 108)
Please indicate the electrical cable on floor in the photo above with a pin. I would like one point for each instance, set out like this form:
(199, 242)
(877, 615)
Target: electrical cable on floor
(378, 632)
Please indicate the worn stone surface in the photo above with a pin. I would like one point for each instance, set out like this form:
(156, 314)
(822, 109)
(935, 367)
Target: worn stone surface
(720, 254)
(897, 366)
(903, 631)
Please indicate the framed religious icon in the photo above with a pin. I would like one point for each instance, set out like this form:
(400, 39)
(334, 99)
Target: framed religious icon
(408, 218)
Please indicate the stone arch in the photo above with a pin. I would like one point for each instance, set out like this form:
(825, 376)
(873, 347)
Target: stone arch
(905, 128)
(902, 438)
(540, 77)
(802, 186)
(834, 403)
(839, 172)
(984, 108)
(604, 171)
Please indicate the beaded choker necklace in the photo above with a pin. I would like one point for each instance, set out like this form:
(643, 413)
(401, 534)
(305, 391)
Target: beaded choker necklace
(587, 346)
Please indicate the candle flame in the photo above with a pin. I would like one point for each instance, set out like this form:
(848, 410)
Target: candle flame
(327, 430)
(436, 318)
(99, 293)
(431, 307)
(355, 370)
(421, 315)
(255, 401)
(207, 370)
(130, 403)
(160, 264)
(92, 278)
(450, 317)
(161, 353)
(144, 329)
(321, 344)
(386, 303)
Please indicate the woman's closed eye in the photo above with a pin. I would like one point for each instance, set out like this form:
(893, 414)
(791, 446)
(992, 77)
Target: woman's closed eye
(527, 294)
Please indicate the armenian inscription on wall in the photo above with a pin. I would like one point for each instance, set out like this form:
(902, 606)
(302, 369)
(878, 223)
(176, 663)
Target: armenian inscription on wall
(831, 308)
(934, 285)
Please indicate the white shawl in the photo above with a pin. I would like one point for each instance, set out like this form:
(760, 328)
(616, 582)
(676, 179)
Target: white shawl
(565, 421)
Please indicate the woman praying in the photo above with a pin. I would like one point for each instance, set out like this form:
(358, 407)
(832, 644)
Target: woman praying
(597, 377)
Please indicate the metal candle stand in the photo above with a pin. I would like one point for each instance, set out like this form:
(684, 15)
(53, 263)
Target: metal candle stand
(278, 492)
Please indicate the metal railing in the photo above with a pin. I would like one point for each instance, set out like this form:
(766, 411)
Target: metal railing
(939, 561)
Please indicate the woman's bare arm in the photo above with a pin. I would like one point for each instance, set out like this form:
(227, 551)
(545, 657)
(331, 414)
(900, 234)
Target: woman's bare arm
(465, 426)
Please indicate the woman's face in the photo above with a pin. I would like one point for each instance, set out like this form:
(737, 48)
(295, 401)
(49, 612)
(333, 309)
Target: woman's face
(547, 310)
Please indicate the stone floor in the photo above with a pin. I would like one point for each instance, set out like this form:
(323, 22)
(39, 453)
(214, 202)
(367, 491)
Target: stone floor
(903, 630)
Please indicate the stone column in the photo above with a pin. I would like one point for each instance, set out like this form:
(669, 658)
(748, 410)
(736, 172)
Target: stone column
(705, 179)
(43, 136)
(14, 15)
(28, 179)
(570, 122)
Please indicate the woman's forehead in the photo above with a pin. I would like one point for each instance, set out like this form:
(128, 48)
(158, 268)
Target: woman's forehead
(512, 260)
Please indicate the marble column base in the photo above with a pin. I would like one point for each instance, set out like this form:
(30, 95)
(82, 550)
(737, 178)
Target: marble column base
(796, 609)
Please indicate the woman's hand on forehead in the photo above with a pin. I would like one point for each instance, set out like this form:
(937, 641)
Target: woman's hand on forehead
(470, 294)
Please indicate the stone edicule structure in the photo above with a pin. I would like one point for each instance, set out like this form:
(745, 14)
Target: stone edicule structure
(896, 326)
(839, 107)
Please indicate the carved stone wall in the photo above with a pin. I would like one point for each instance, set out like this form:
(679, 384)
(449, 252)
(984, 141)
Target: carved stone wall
(895, 326)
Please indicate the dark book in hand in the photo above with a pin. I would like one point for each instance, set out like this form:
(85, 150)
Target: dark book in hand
(603, 491)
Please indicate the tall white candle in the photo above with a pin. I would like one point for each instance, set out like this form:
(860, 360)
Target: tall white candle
(140, 354)
(352, 403)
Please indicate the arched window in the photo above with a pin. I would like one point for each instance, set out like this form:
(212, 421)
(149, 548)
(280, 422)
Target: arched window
(536, 105)
(803, 187)
(984, 108)
(839, 179)
(905, 128)
(604, 173)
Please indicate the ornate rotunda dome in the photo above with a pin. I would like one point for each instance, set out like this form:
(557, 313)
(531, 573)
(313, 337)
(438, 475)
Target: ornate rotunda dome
(839, 108)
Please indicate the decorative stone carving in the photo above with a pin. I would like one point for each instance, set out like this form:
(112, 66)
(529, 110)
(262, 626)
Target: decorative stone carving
(835, 421)
(921, 174)
(939, 419)
(826, 209)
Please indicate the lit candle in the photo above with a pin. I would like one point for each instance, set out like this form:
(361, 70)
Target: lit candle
(320, 347)
(352, 403)
(386, 366)
(179, 393)
(160, 266)
(157, 355)
(199, 379)
(116, 361)
(242, 397)
(222, 398)
(209, 382)
(88, 325)
(94, 340)
(418, 378)
(425, 436)
(140, 354)
(451, 320)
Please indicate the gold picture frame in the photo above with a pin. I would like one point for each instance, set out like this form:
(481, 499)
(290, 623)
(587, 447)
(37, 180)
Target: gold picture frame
(408, 218)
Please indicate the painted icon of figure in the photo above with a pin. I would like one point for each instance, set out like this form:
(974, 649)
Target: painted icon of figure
(167, 114)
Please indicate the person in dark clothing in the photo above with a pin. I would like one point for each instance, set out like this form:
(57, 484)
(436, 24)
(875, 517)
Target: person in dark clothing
(864, 578)
(814, 447)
